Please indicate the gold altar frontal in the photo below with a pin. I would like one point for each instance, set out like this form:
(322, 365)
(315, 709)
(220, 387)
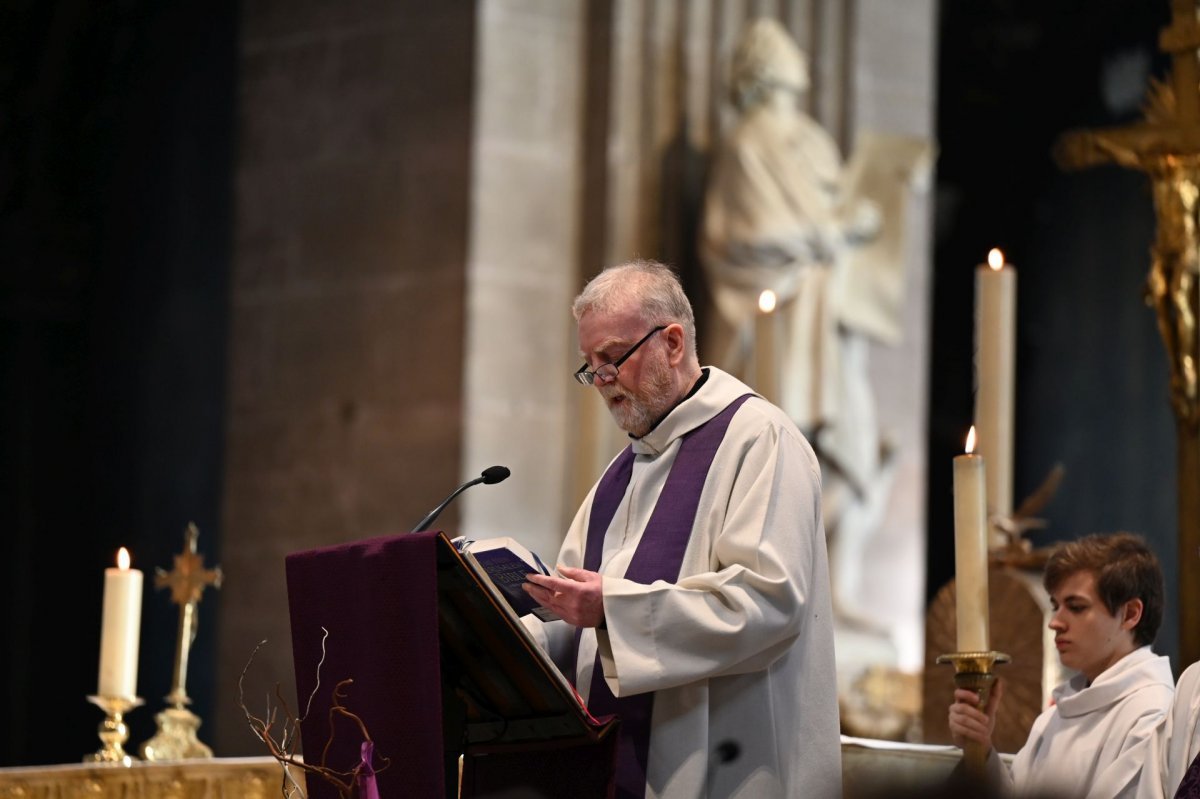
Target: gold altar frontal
(220, 778)
(869, 769)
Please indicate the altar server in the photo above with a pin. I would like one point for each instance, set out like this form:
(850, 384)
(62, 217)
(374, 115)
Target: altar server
(1106, 592)
(1177, 745)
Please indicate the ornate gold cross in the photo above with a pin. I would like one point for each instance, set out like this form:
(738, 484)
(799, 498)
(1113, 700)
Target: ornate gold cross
(176, 737)
(1166, 146)
(189, 578)
(187, 582)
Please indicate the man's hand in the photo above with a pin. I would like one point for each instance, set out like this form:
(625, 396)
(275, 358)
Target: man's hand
(970, 724)
(577, 596)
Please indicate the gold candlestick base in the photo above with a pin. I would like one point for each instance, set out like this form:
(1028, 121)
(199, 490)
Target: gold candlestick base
(113, 731)
(973, 671)
(176, 737)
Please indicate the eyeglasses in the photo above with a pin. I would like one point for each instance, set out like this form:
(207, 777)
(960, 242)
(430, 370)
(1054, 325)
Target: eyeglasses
(606, 372)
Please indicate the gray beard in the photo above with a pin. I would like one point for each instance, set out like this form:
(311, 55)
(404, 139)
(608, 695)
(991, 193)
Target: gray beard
(639, 411)
(633, 417)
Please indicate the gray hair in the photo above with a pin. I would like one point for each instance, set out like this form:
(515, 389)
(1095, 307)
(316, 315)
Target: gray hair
(650, 286)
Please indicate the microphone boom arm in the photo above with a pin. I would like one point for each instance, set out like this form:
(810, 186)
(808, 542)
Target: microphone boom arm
(425, 523)
(492, 474)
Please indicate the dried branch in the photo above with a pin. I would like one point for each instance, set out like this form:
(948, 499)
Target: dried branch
(1041, 497)
(281, 744)
(1023, 519)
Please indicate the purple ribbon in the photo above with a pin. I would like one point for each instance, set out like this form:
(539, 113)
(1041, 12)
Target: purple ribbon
(365, 781)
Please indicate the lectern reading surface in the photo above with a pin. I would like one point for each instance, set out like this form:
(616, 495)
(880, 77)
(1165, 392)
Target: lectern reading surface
(441, 666)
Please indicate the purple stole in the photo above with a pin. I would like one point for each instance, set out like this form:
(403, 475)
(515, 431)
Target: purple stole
(659, 556)
(1189, 786)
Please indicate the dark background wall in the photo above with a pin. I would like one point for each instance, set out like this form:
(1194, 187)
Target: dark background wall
(1091, 371)
(116, 156)
(232, 253)
(348, 302)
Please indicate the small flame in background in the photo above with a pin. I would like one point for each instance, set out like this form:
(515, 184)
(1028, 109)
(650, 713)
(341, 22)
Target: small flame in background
(766, 301)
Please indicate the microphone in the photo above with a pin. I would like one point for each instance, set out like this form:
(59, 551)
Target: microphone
(492, 474)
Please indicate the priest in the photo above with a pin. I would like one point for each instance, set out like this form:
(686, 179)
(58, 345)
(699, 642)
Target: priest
(693, 583)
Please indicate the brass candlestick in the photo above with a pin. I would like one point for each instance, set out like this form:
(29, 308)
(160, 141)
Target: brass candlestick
(973, 671)
(176, 737)
(113, 730)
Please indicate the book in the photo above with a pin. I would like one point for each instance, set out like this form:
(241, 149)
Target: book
(506, 561)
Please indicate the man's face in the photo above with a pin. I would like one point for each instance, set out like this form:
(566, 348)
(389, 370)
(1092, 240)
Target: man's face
(1089, 638)
(643, 388)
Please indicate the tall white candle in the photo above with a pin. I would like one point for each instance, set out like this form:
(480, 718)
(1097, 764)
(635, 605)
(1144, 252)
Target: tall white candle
(766, 352)
(120, 629)
(970, 550)
(995, 360)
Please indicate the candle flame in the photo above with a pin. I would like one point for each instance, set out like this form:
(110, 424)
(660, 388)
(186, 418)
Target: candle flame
(995, 259)
(971, 440)
(766, 301)
(123, 559)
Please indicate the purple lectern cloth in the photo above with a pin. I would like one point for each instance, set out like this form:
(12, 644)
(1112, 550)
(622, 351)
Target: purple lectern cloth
(378, 600)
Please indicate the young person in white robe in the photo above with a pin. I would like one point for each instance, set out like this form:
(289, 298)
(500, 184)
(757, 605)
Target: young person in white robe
(1106, 592)
(693, 583)
(1177, 745)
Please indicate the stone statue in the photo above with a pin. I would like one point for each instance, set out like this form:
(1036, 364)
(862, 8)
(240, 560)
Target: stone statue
(779, 215)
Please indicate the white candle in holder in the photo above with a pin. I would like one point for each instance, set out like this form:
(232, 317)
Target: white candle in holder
(970, 550)
(995, 364)
(766, 357)
(120, 629)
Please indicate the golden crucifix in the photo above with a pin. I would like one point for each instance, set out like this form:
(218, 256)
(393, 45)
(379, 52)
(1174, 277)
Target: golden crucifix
(176, 736)
(1166, 146)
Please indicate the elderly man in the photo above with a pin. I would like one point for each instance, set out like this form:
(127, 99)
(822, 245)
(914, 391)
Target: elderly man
(694, 585)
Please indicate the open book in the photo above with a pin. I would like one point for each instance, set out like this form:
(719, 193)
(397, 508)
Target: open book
(506, 562)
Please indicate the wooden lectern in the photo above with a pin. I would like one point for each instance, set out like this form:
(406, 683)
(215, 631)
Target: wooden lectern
(442, 667)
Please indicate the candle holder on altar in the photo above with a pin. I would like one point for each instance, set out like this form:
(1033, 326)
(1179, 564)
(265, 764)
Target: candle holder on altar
(113, 730)
(176, 737)
(973, 672)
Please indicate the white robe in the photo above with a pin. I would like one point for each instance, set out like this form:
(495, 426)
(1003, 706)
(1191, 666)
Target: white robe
(1093, 741)
(740, 649)
(1178, 740)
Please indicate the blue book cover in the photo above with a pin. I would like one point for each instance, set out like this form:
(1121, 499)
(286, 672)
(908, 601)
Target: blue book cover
(507, 562)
